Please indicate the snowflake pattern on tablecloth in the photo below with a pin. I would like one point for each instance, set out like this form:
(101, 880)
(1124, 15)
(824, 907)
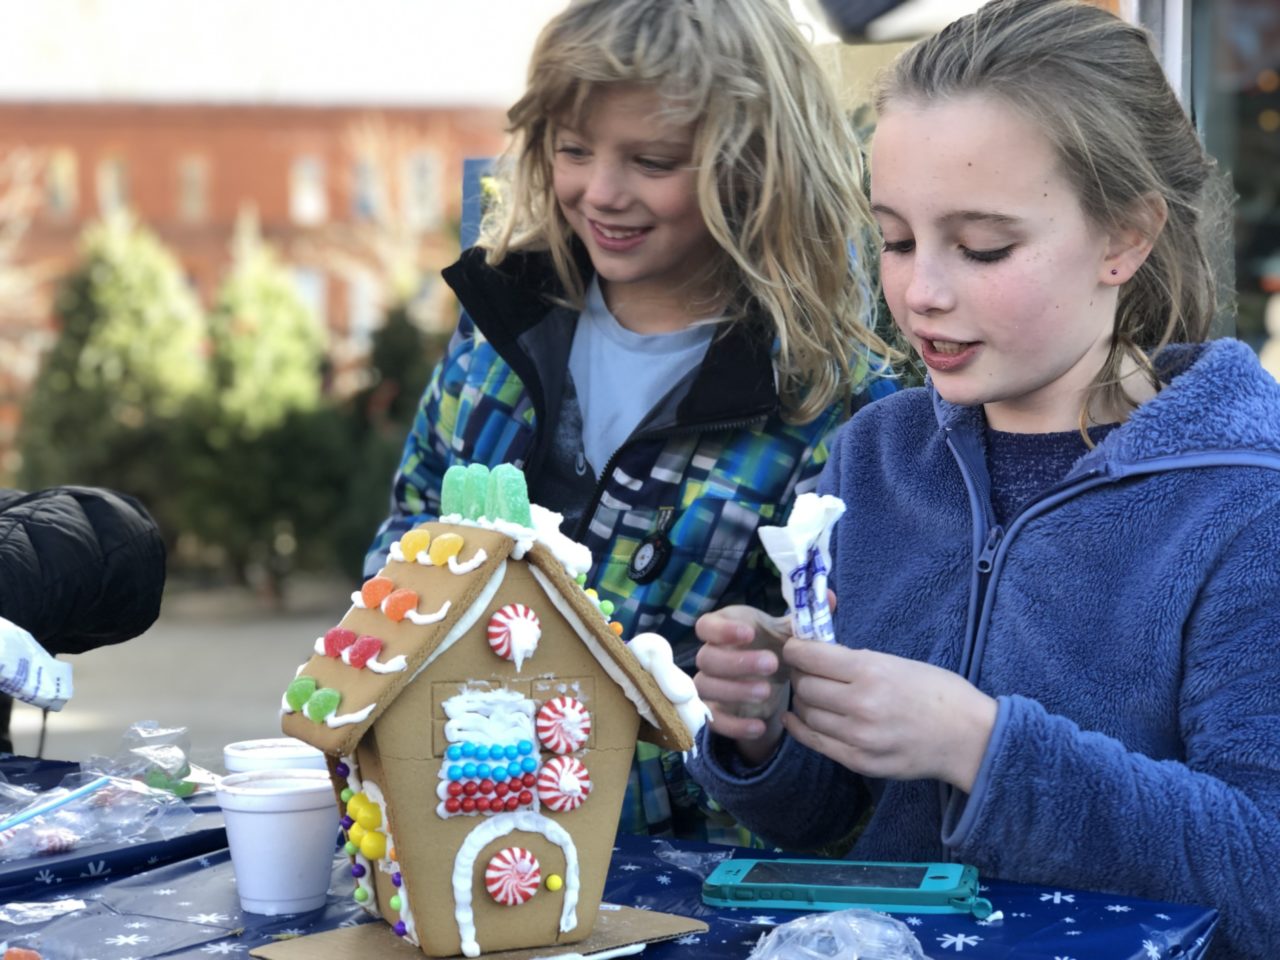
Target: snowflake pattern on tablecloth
(222, 947)
(761, 918)
(629, 867)
(1117, 908)
(165, 892)
(664, 879)
(688, 940)
(137, 925)
(1063, 958)
(126, 939)
(1058, 897)
(1162, 916)
(913, 921)
(46, 876)
(958, 941)
(1152, 951)
(94, 871)
(208, 918)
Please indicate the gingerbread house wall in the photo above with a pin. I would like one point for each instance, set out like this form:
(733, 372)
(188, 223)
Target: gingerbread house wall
(404, 750)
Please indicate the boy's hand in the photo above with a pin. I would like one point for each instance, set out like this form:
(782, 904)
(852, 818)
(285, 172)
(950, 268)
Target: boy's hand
(887, 716)
(740, 679)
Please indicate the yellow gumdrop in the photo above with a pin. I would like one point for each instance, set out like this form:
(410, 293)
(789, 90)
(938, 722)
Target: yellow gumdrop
(413, 543)
(443, 547)
(356, 833)
(554, 882)
(369, 817)
(373, 845)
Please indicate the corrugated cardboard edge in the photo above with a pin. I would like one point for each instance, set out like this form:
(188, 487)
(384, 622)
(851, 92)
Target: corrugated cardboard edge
(670, 731)
(615, 927)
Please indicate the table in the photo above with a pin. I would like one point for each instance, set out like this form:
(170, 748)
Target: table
(183, 904)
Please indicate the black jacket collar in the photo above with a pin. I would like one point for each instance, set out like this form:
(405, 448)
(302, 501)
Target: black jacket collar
(735, 381)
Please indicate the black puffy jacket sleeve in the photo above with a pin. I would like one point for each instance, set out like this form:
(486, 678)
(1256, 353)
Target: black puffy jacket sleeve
(80, 567)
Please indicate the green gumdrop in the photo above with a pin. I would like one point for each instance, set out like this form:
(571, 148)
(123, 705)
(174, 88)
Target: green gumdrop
(322, 703)
(451, 490)
(350, 848)
(158, 780)
(300, 692)
(475, 490)
(361, 894)
(184, 788)
(508, 496)
(606, 607)
(580, 579)
(394, 903)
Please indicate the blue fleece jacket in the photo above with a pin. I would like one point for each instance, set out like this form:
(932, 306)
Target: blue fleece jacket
(1127, 621)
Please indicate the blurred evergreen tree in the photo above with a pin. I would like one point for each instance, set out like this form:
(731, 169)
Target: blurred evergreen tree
(129, 360)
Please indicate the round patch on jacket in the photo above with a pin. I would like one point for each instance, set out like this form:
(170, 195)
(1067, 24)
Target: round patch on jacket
(649, 559)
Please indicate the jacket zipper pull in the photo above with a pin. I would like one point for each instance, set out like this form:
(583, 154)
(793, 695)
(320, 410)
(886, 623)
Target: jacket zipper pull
(994, 536)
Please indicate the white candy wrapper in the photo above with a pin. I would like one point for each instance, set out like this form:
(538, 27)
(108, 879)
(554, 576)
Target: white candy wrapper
(28, 673)
(802, 552)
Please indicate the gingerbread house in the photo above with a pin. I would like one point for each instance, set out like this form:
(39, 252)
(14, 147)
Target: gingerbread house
(479, 710)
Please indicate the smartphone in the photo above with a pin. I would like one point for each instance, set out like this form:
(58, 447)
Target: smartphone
(841, 884)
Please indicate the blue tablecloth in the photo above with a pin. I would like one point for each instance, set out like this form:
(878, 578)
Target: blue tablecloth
(184, 904)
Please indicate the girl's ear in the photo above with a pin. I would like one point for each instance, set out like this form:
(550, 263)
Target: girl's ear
(1129, 246)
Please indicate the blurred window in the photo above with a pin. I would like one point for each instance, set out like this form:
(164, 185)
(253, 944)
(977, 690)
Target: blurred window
(113, 185)
(366, 194)
(422, 189)
(363, 315)
(62, 194)
(193, 189)
(313, 290)
(1235, 81)
(308, 199)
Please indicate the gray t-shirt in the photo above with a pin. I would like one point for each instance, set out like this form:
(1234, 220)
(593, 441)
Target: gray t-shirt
(620, 375)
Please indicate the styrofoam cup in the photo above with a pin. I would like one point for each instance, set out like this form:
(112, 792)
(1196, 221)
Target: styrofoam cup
(274, 753)
(282, 828)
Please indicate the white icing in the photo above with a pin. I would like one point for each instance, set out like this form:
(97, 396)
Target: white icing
(489, 717)
(525, 635)
(573, 556)
(488, 831)
(394, 665)
(468, 619)
(423, 619)
(654, 654)
(424, 559)
(472, 564)
(335, 720)
(357, 600)
(319, 646)
(396, 553)
(615, 672)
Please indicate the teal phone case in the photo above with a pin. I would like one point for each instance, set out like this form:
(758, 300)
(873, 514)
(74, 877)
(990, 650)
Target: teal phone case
(936, 887)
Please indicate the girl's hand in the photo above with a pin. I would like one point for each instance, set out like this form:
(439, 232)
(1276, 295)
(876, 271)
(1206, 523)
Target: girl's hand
(739, 677)
(887, 716)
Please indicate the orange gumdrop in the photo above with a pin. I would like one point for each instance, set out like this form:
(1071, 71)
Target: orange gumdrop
(391, 854)
(616, 627)
(20, 953)
(375, 590)
(399, 603)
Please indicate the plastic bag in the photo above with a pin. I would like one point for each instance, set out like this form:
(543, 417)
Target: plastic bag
(155, 755)
(845, 934)
(698, 862)
(87, 807)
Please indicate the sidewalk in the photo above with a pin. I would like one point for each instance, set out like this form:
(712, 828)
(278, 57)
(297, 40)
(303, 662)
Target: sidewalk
(216, 662)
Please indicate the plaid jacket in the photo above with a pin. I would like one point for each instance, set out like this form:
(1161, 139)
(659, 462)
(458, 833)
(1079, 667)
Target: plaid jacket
(686, 493)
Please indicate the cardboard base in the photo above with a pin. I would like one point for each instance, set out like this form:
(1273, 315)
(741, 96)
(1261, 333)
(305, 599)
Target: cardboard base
(615, 927)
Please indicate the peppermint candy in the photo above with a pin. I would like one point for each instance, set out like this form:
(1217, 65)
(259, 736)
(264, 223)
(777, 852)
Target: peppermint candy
(514, 632)
(512, 876)
(563, 724)
(563, 784)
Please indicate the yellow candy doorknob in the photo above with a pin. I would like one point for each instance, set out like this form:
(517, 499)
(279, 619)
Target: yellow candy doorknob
(554, 882)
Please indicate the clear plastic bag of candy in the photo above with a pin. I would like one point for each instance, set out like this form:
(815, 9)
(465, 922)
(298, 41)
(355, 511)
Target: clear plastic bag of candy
(85, 808)
(845, 934)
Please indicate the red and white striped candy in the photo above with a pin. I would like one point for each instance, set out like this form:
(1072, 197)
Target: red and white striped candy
(563, 784)
(513, 876)
(564, 724)
(514, 632)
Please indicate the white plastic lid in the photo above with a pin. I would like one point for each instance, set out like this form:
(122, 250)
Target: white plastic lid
(276, 753)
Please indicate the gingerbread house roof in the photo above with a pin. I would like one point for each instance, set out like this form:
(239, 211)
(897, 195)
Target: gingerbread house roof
(387, 639)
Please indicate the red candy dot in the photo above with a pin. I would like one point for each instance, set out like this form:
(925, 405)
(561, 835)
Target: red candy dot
(455, 788)
(501, 789)
(483, 804)
(452, 805)
(528, 779)
(470, 788)
(468, 805)
(486, 786)
(512, 802)
(526, 797)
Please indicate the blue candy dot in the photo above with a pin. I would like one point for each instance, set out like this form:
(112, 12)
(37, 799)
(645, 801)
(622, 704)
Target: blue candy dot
(482, 770)
(525, 747)
(468, 749)
(495, 752)
(528, 764)
(455, 772)
(513, 769)
(500, 773)
(468, 769)
(511, 752)
(454, 752)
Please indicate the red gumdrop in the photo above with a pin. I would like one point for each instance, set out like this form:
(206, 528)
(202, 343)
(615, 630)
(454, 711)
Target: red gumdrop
(337, 640)
(363, 650)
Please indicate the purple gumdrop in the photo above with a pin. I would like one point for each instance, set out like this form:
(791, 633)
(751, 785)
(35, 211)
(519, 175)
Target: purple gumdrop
(342, 770)
(357, 870)
(346, 823)
(400, 928)
(395, 878)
